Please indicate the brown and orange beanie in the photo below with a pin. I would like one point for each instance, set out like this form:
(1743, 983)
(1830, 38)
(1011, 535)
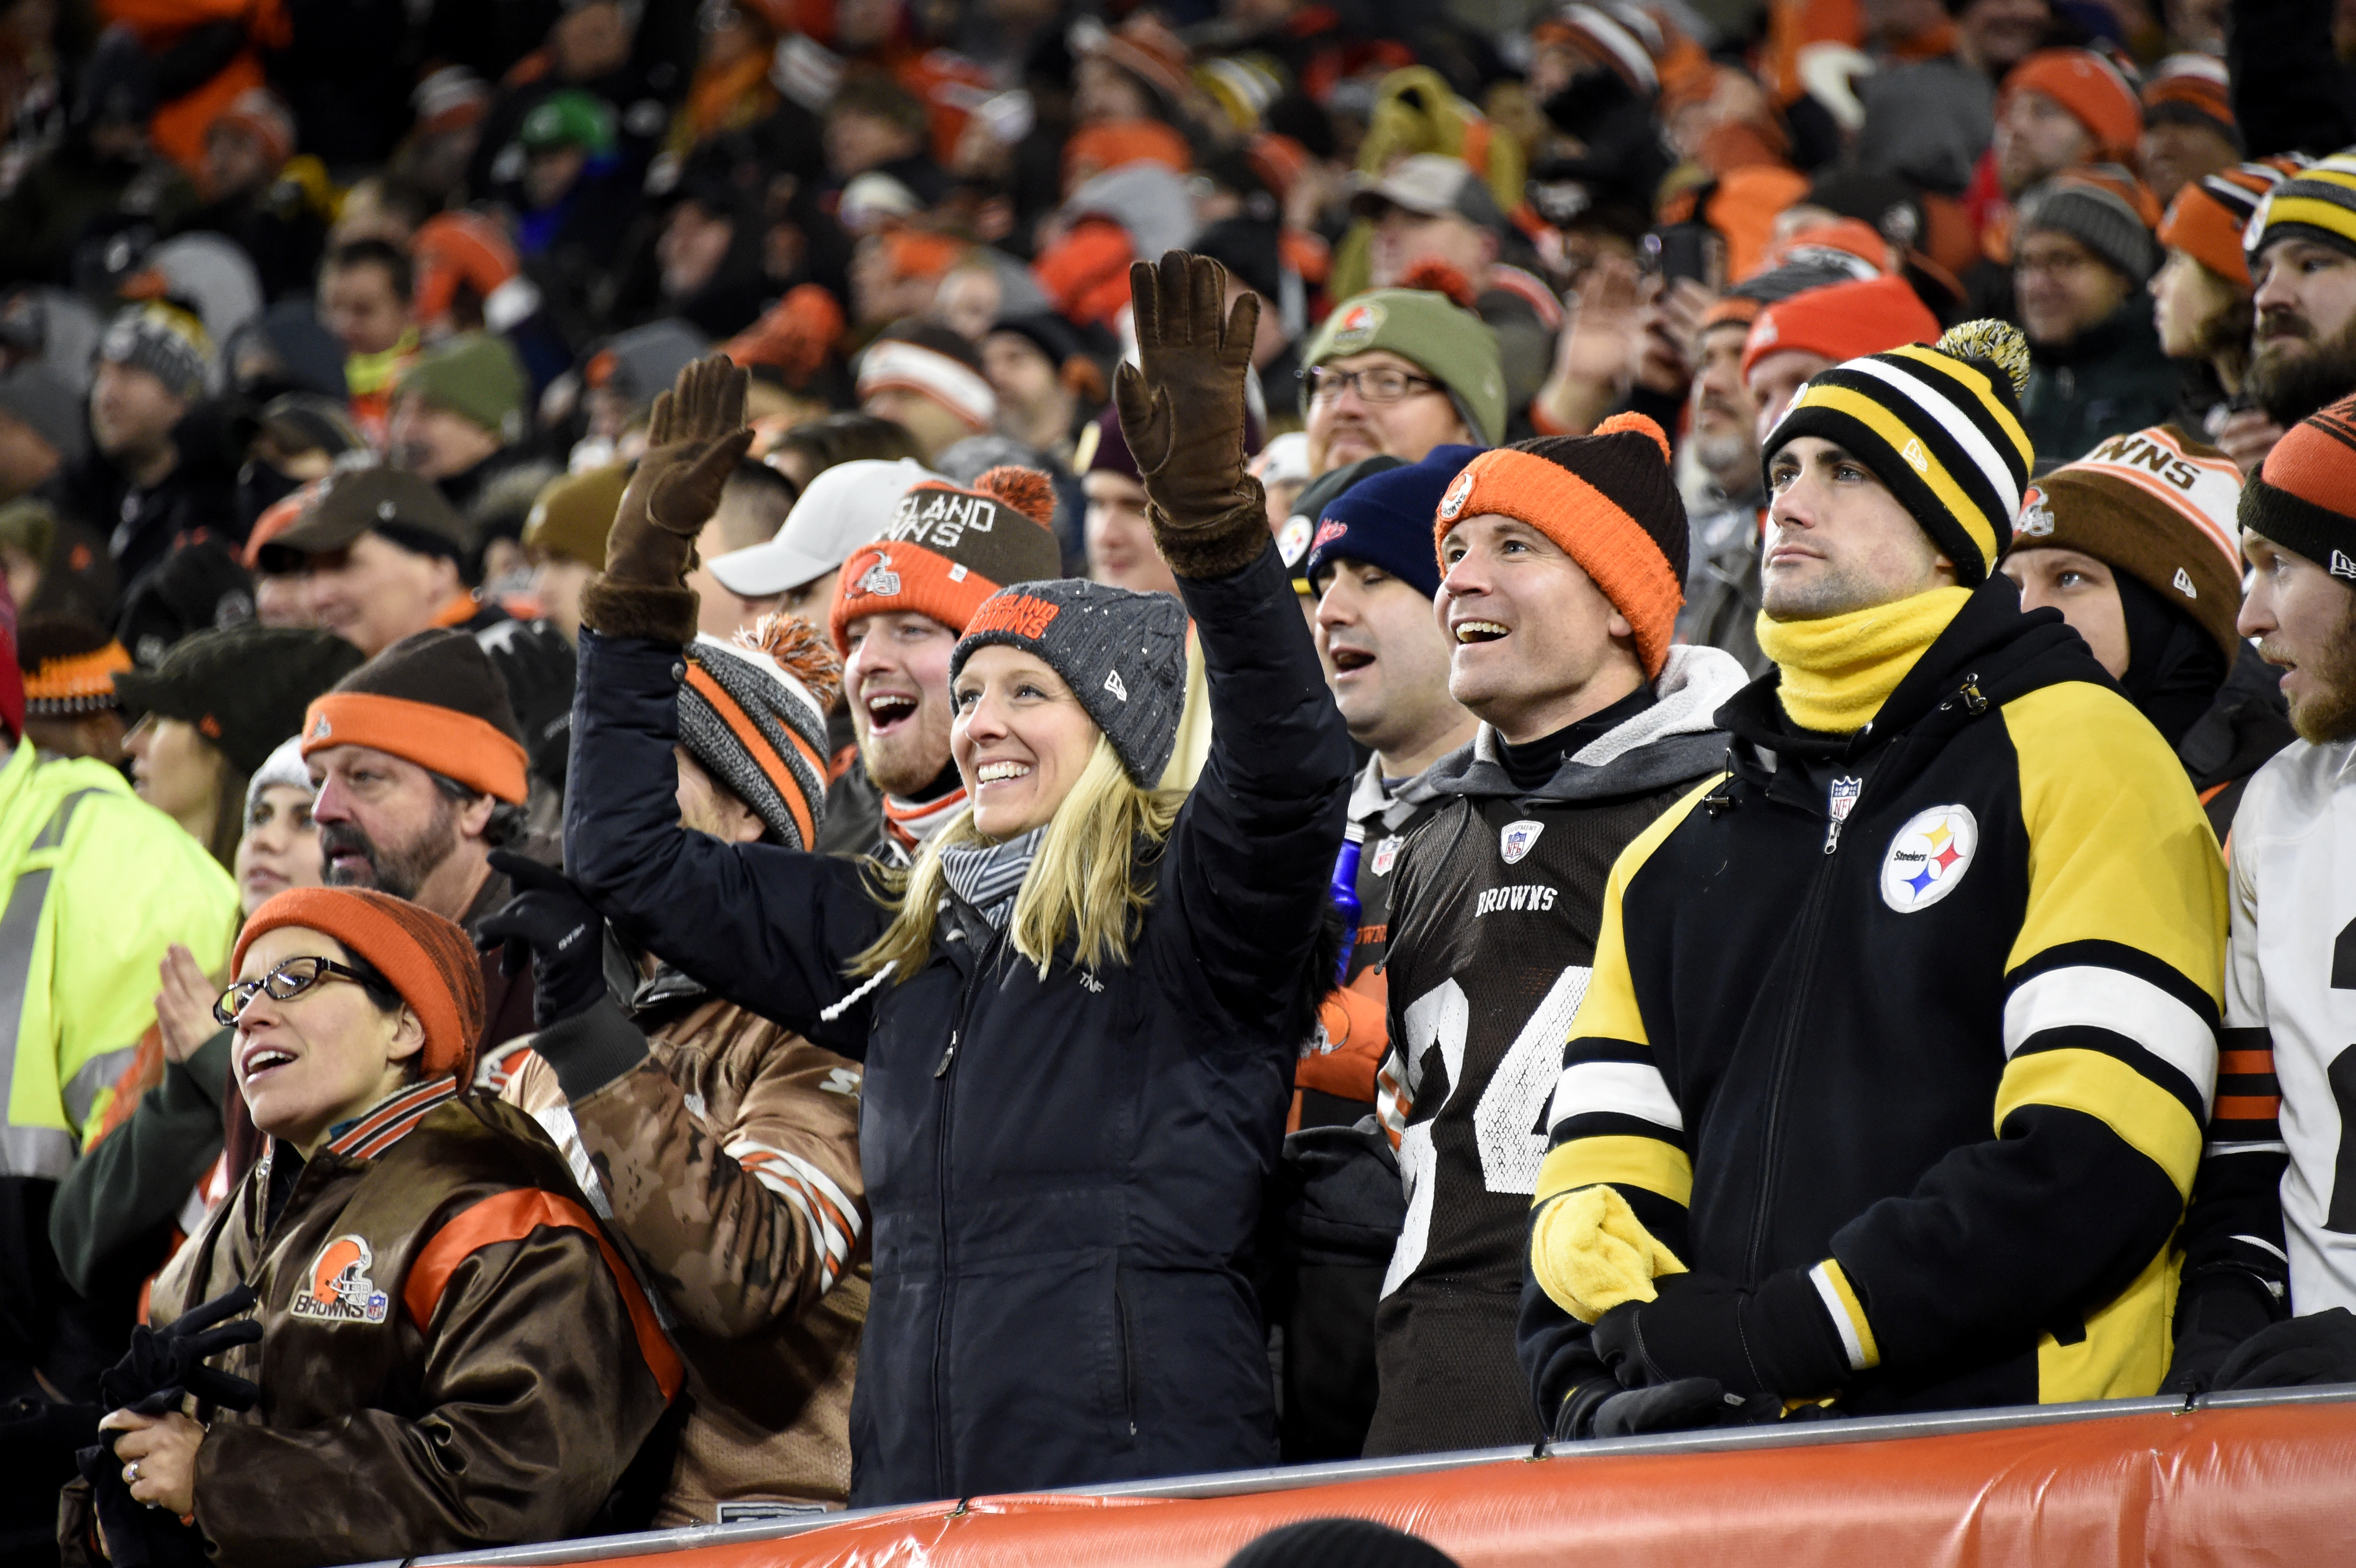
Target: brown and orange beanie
(753, 712)
(1609, 500)
(949, 546)
(433, 699)
(427, 959)
(2301, 497)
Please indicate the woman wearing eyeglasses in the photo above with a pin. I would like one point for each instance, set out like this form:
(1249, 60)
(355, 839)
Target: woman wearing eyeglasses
(451, 1355)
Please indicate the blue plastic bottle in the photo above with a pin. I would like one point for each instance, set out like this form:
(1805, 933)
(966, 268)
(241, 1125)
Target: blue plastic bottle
(1345, 893)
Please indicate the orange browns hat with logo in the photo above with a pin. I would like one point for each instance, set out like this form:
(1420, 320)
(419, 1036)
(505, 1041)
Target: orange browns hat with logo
(949, 546)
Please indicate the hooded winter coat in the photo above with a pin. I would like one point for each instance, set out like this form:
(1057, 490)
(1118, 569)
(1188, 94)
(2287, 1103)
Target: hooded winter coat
(1065, 1171)
(1494, 926)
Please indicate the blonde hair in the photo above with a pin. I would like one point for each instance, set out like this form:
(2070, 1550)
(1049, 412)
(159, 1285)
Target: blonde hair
(1082, 883)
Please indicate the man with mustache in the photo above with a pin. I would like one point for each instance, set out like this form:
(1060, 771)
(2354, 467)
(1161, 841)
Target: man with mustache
(2303, 278)
(420, 772)
(2269, 1258)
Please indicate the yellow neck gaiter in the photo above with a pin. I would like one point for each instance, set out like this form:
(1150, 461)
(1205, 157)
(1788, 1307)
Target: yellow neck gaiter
(368, 373)
(1838, 672)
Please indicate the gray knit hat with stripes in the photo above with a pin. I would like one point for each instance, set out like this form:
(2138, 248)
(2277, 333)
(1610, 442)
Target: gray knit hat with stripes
(751, 712)
(1122, 652)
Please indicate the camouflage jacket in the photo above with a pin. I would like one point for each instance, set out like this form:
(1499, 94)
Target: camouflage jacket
(727, 1150)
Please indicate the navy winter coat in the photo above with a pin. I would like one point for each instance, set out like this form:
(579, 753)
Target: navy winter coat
(1064, 1173)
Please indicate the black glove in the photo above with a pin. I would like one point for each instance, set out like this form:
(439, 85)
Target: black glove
(170, 1361)
(1775, 1339)
(550, 924)
(1688, 1404)
(164, 1366)
(2320, 1348)
(2215, 1314)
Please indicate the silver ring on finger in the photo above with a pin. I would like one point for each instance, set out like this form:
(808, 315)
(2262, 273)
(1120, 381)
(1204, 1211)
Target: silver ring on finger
(131, 1473)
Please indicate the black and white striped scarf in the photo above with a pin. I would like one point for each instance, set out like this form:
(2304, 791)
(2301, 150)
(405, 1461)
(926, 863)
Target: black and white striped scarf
(988, 876)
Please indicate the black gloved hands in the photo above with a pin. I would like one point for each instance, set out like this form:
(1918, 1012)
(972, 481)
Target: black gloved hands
(552, 925)
(170, 1361)
(163, 1366)
(1772, 1340)
(2320, 1348)
(1183, 411)
(2217, 1312)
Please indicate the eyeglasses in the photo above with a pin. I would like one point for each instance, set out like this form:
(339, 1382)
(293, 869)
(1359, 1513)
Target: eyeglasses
(285, 983)
(1381, 385)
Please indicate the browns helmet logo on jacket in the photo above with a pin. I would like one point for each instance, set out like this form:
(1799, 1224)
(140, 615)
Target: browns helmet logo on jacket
(341, 1289)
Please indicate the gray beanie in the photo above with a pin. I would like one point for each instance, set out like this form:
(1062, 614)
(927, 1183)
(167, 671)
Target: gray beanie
(284, 766)
(2100, 219)
(168, 343)
(1122, 652)
(44, 402)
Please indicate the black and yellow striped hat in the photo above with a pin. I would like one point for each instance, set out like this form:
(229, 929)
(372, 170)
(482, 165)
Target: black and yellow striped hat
(1941, 427)
(2318, 203)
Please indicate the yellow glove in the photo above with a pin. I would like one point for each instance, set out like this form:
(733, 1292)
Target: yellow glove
(1589, 1252)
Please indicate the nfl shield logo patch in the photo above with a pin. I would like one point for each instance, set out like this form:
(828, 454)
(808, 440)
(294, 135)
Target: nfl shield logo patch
(1516, 839)
(1387, 855)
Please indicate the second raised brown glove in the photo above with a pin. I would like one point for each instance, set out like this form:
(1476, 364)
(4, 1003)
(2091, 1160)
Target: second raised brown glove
(1182, 410)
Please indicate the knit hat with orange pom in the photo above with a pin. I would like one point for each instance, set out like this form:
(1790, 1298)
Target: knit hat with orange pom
(752, 712)
(1608, 499)
(949, 546)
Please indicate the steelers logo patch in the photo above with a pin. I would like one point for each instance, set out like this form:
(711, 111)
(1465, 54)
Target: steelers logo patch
(1928, 858)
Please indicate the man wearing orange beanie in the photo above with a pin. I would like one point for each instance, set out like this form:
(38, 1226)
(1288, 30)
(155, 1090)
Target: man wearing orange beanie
(1563, 562)
(2060, 108)
(1810, 333)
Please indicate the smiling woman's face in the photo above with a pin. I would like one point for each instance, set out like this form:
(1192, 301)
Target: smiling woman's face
(321, 1057)
(1020, 738)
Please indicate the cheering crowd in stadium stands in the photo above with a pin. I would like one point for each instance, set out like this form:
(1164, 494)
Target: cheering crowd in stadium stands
(776, 755)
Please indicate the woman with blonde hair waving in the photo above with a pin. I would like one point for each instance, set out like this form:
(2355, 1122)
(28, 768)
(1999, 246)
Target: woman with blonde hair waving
(1079, 1007)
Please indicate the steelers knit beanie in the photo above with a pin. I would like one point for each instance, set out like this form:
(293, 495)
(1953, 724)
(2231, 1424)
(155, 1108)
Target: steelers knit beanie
(1941, 427)
(2159, 506)
(949, 546)
(2304, 496)
(1609, 500)
(1122, 652)
(753, 712)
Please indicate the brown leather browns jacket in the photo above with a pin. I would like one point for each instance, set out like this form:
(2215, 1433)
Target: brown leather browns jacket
(452, 1354)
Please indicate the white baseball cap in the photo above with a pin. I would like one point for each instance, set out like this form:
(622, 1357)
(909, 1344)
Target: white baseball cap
(845, 506)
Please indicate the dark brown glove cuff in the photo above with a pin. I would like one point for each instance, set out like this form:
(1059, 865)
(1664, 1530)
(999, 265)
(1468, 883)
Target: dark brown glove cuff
(617, 609)
(1216, 546)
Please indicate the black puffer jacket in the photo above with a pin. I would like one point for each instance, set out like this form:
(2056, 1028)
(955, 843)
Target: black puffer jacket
(1064, 1173)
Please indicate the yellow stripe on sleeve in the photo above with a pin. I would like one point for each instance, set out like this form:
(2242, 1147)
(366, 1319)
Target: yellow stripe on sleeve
(1621, 1158)
(1847, 1314)
(2151, 1120)
(2130, 861)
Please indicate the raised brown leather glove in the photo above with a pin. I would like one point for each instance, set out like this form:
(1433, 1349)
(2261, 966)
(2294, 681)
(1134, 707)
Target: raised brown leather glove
(1183, 414)
(696, 437)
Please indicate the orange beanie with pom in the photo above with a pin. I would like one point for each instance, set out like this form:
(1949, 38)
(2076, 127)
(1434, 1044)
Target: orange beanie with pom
(949, 546)
(1609, 500)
